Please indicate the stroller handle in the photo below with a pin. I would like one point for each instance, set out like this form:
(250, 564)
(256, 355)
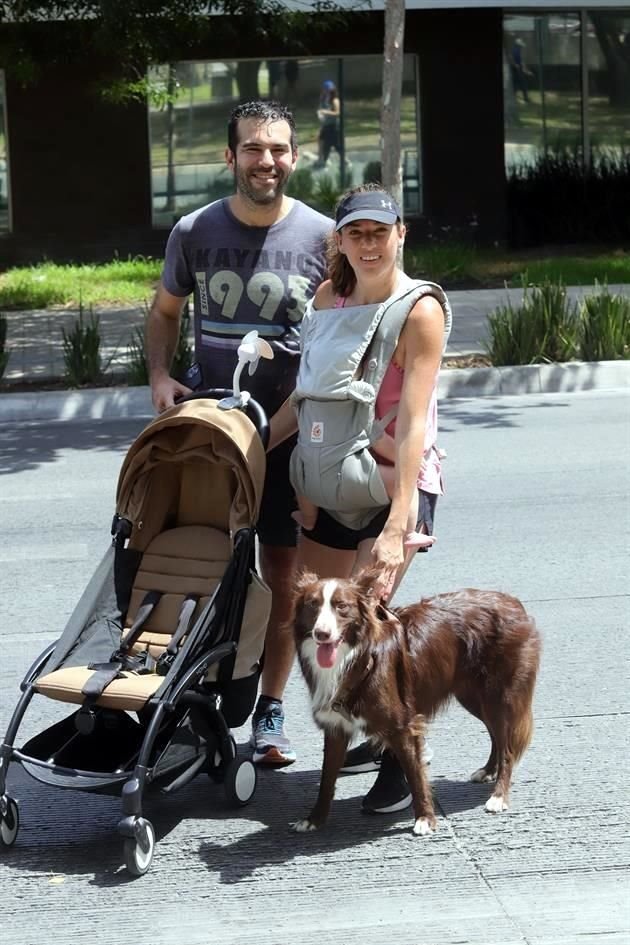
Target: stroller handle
(253, 409)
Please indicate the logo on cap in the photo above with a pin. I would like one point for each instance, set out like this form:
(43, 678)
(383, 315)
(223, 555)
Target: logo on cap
(388, 204)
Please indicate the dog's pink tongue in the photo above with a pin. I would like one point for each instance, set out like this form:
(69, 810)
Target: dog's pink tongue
(326, 655)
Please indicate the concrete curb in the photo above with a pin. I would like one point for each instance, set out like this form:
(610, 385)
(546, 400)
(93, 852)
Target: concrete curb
(110, 403)
(102, 403)
(534, 379)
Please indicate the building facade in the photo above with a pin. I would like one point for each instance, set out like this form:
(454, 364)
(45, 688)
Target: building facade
(487, 90)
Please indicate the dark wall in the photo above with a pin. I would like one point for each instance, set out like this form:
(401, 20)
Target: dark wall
(461, 95)
(80, 167)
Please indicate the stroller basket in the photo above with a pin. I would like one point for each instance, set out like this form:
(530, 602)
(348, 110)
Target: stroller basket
(66, 758)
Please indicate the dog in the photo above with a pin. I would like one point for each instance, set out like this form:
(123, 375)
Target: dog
(384, 672)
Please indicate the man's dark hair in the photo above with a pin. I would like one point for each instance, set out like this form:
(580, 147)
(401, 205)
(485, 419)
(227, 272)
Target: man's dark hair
(260, 111)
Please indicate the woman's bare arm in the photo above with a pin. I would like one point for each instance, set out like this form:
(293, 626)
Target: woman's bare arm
(422, 341)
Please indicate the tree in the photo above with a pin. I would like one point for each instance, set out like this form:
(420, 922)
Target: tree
(392, 93)
(139, 33)
(614, 42)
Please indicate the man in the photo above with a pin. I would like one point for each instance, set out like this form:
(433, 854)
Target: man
(251, 260)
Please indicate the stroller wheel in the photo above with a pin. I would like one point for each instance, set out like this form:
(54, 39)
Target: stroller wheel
(138, 850)
(9, 821)
(240, 781)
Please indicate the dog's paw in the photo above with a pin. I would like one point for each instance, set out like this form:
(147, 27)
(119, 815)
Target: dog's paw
(423, 827)
(481, 776)
(302, 826)
(496, 805)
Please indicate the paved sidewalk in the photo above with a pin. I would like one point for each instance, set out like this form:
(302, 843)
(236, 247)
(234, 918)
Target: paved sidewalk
(36, 354)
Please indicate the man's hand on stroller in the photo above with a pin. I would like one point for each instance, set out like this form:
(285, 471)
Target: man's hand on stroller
(165, 390)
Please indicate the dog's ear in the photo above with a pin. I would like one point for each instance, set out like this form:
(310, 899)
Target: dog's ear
(366, 581)
(303, 580)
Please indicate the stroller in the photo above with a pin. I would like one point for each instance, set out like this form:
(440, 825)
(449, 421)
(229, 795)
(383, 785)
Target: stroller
(163, 651)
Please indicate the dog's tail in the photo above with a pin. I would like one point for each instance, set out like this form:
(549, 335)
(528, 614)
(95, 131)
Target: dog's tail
(524, 719)
(521, 735)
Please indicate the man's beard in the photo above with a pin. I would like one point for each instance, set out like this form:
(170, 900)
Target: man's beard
(260, 196)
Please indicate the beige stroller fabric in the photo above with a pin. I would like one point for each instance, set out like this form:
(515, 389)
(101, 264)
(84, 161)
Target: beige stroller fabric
(196, 463)
(191, 479)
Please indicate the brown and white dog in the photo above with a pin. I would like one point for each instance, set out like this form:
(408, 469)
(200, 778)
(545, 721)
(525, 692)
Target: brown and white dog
(383, 673)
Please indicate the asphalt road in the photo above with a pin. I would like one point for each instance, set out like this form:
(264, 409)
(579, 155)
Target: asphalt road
(537, 505)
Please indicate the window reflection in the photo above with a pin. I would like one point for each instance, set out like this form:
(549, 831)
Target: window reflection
(608, 69)
(339, 143)
(542, 86)
(4, 164)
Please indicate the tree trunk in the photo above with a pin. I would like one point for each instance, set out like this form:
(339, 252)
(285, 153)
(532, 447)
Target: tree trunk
(170, 138)
(247, 79)
(392, 92)
(616, 53)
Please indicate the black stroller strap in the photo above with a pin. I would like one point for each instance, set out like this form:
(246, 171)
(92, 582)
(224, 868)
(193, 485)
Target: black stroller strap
(149, 603)
(105, 673)
(185, 616)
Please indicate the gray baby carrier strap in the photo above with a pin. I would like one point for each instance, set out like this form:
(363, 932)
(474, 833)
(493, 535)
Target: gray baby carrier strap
(335, 398)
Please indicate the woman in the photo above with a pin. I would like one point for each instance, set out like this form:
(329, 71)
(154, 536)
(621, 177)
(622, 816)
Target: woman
(363, 270)
(328, 114)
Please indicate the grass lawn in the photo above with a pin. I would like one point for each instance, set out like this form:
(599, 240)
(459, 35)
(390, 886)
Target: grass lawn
(124, 282)
(133, 281)
(465, 267)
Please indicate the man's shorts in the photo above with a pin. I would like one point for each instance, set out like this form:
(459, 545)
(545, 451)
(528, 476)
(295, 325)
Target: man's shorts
(331, 533)
(275, 526)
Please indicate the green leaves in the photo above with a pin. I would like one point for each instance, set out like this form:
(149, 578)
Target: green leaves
(547, 327)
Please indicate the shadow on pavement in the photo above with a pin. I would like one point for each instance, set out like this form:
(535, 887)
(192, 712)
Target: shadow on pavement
(64, 833)
(487, 412)
(29, 446)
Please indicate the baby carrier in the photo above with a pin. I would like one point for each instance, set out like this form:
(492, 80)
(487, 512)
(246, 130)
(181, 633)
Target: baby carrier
(163, 650)
(345, 354)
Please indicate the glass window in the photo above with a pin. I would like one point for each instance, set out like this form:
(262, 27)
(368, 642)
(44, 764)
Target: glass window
(542, 86)
(189, 107)
(608, 64)
(4, 164)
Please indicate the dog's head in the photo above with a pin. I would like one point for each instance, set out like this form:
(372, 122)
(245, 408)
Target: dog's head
(338, 615)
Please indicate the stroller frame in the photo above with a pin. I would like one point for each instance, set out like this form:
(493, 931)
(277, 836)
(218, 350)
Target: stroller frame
(186, 704)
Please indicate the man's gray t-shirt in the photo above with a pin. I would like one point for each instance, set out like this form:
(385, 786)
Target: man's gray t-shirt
(245, 277)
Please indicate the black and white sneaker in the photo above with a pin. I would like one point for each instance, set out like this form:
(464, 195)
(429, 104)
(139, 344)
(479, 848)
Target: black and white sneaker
(367, 757)
(390, 792)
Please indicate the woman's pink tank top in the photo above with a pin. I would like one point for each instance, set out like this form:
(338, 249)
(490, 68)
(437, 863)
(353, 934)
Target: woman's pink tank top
(430, 478)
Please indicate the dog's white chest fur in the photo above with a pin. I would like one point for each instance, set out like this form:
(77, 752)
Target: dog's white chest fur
(325, 685)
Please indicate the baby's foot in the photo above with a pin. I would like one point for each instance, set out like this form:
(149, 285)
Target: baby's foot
(418, 540)
(305, 520)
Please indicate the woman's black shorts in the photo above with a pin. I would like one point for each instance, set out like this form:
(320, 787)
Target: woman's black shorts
(328, 531)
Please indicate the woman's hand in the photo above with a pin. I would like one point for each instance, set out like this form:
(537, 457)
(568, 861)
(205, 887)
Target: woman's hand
(388, 555)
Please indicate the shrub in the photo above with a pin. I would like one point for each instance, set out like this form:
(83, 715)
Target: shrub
(372, 173)
(605, 327)
(82, 351)
(559, 199)
(301, 185)
(543, 328)
(138, 369)
(4, 354)
(326, 194)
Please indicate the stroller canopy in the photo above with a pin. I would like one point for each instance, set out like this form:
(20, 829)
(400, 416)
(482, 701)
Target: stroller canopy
(194, 464)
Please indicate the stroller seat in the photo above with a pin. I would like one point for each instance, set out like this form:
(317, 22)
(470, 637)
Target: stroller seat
(180, 562)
